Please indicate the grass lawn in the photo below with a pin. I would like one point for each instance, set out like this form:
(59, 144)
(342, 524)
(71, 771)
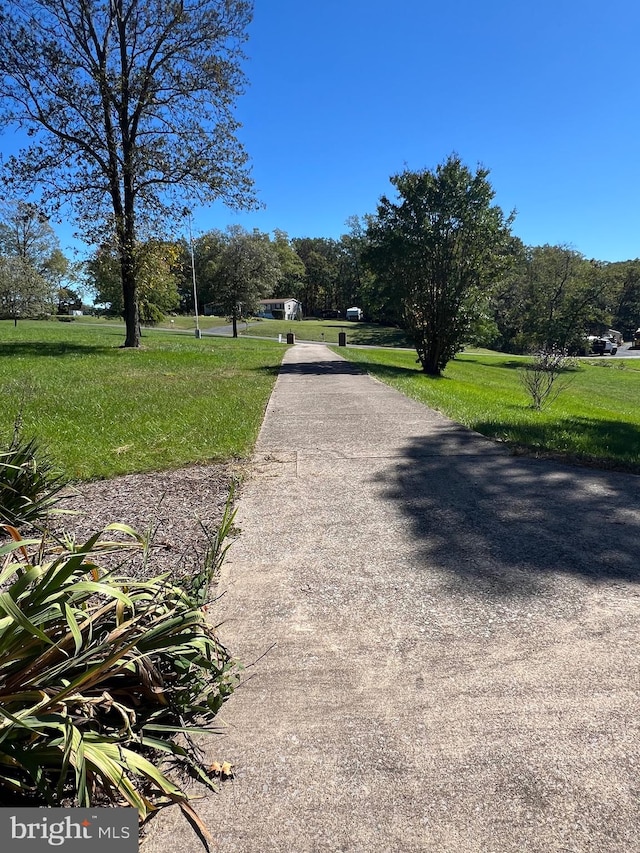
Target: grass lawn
(186, 323)
(595, 419)
(99, 410)
(177, 323)
(362, 334)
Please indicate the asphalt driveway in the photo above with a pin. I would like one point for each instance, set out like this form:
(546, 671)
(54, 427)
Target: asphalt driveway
(444, 638)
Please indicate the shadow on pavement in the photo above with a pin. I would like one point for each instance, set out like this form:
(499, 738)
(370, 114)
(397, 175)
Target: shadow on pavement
(500, 525)
(321, 368)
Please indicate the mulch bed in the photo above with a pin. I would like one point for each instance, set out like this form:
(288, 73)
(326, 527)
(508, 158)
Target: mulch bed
(178, 508)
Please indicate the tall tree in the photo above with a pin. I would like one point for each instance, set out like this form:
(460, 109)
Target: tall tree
(377, 293)
(320, 256)
(356, 282)
(158, 275)
(103, 280)
(291, 283)
(159, 269)
(552, 299)
(248, 269)
(33, 267)
(439, 248)
(130, 102)
(23, 291)
(623, 292)
(25, 233)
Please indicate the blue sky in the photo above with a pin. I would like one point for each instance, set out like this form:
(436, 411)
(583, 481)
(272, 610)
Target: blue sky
(344, 93)
(546, 95)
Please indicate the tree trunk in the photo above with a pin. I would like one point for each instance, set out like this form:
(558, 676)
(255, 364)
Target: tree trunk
(234, 320)
(431, 369)
(429, 354)
(128, 267)
(130, 297)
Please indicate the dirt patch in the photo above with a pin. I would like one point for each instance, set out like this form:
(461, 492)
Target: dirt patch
(176, 508)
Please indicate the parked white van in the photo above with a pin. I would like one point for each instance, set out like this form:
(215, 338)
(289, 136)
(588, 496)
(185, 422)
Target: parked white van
(354, 314)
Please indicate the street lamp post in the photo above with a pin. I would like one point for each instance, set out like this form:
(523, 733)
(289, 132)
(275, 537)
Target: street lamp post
(193, 274)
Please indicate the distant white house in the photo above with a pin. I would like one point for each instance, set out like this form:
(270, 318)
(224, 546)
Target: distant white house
(354, 314)
(280, 309)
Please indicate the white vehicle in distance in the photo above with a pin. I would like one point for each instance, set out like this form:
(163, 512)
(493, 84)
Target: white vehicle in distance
(604, 346)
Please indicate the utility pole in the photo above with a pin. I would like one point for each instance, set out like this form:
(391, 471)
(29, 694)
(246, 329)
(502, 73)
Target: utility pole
(187, 213)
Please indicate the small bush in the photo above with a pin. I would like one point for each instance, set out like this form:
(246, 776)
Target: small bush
(542, 377)
(150, 314)
(99, 673)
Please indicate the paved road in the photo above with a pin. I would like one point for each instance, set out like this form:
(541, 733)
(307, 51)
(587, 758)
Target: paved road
(455, 666)
(625, 351)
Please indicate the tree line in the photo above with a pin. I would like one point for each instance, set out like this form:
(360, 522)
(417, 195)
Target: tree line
(128, 106)
(516, 298)
(35, 276)
(493, 291)
(234, 267)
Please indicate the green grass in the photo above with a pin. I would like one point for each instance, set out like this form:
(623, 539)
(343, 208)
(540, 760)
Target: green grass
(187, 323)
(360, 334)
(176, 323)
(100, 410)
(596, 419)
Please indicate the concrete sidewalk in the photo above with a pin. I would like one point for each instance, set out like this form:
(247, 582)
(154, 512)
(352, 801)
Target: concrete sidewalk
(456, 638)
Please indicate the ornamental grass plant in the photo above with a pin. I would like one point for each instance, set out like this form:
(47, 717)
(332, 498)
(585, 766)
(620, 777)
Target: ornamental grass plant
(29, 488)
(105, 679)
(99, 673)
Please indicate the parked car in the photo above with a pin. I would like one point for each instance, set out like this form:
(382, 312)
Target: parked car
(636, 340)
(604, 346)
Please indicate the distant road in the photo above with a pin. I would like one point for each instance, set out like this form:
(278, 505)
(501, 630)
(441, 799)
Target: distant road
(625, 352)
(227, 330)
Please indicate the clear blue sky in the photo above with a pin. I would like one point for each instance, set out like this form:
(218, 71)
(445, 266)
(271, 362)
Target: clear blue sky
(546, 95)
(344, 93)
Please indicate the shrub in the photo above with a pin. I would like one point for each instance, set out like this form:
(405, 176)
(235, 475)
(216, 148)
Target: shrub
(541, 377)
(99, 673)
(150, 314)
(28, 486)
